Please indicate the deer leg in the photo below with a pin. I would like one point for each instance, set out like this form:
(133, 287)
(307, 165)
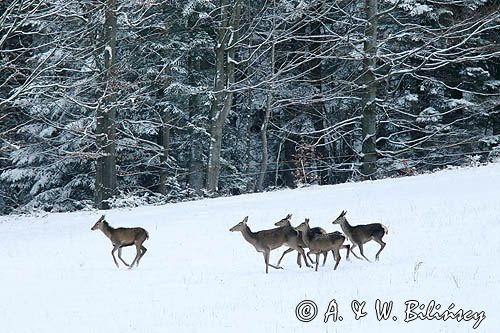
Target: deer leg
(382, 245)
(317, 261)
(138, 254)
(120, 257)
(287, 251)
(302, 253)
(143, 249)
(275, 267)
(354, 254)
(348, 247)
(325, 254)
(361, 251)
(266, 260)
(309, 256)
(299, 260)
(115, 247)
(337, 258)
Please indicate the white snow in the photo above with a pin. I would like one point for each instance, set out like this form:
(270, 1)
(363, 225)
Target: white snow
(58, 276)
(109, 50)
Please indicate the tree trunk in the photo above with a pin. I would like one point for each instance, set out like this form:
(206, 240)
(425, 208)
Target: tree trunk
(369, 107)
(164, 137)
(265, 123)
(105, 182)
(318, 108)
(196, 171)
(265, 151)
(227, 37)
(251, 181)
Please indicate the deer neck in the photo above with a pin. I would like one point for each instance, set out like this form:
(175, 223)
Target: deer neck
(305, 236)
(249, 235)
(107, 230)
(346, 227)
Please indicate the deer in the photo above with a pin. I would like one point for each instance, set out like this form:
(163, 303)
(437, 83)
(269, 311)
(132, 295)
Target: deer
(313, 232)
(265, 241)
(361, 234)
(323, 243)
(123, 237)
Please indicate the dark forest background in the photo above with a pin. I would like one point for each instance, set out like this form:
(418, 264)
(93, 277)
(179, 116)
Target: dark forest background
(115, 103)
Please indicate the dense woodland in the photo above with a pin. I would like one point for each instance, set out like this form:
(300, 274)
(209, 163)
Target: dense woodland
(106, 103)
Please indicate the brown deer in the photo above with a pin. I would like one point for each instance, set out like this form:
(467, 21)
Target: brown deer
(122, 237)
(313, 232)
(361, 234)
(323, 243)
(265, 241)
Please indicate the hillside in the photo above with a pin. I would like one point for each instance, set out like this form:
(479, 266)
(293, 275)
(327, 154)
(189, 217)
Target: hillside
(58, 275)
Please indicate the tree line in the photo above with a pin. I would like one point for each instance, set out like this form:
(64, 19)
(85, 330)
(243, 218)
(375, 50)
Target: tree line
(108, 102)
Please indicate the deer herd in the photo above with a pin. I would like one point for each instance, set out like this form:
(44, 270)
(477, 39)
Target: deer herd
(316, 239)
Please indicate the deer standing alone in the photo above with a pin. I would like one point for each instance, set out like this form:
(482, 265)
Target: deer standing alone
(323, 243)
(265, 241)
(363, 233)
(122, 237)
(312, 233)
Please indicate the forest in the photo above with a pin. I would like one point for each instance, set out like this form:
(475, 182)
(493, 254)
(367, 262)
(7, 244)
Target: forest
(111, 103)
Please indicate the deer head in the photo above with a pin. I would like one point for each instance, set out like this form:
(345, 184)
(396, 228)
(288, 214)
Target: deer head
(303, 226)
(240, 226)
(341, 218)
(99, 223)
(284, 222)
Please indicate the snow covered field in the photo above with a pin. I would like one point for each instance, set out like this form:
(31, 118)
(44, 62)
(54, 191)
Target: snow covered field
(443, 245)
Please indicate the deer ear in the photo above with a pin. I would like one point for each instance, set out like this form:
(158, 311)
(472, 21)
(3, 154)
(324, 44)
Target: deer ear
(102, 218)
(343, 213)
(245, 220)
(289, 216)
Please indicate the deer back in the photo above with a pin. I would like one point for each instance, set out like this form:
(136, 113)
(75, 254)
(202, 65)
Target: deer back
(273, 238)
(365, 232)
(313, 232)
(326, 242)
(128, 236)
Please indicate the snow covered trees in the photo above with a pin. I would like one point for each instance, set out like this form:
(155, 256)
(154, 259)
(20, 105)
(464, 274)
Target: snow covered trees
(151, 100)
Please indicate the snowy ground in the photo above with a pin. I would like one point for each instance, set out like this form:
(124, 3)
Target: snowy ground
(443, 244)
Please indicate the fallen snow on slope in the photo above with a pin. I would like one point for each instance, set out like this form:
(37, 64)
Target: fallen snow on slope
(442, 246)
